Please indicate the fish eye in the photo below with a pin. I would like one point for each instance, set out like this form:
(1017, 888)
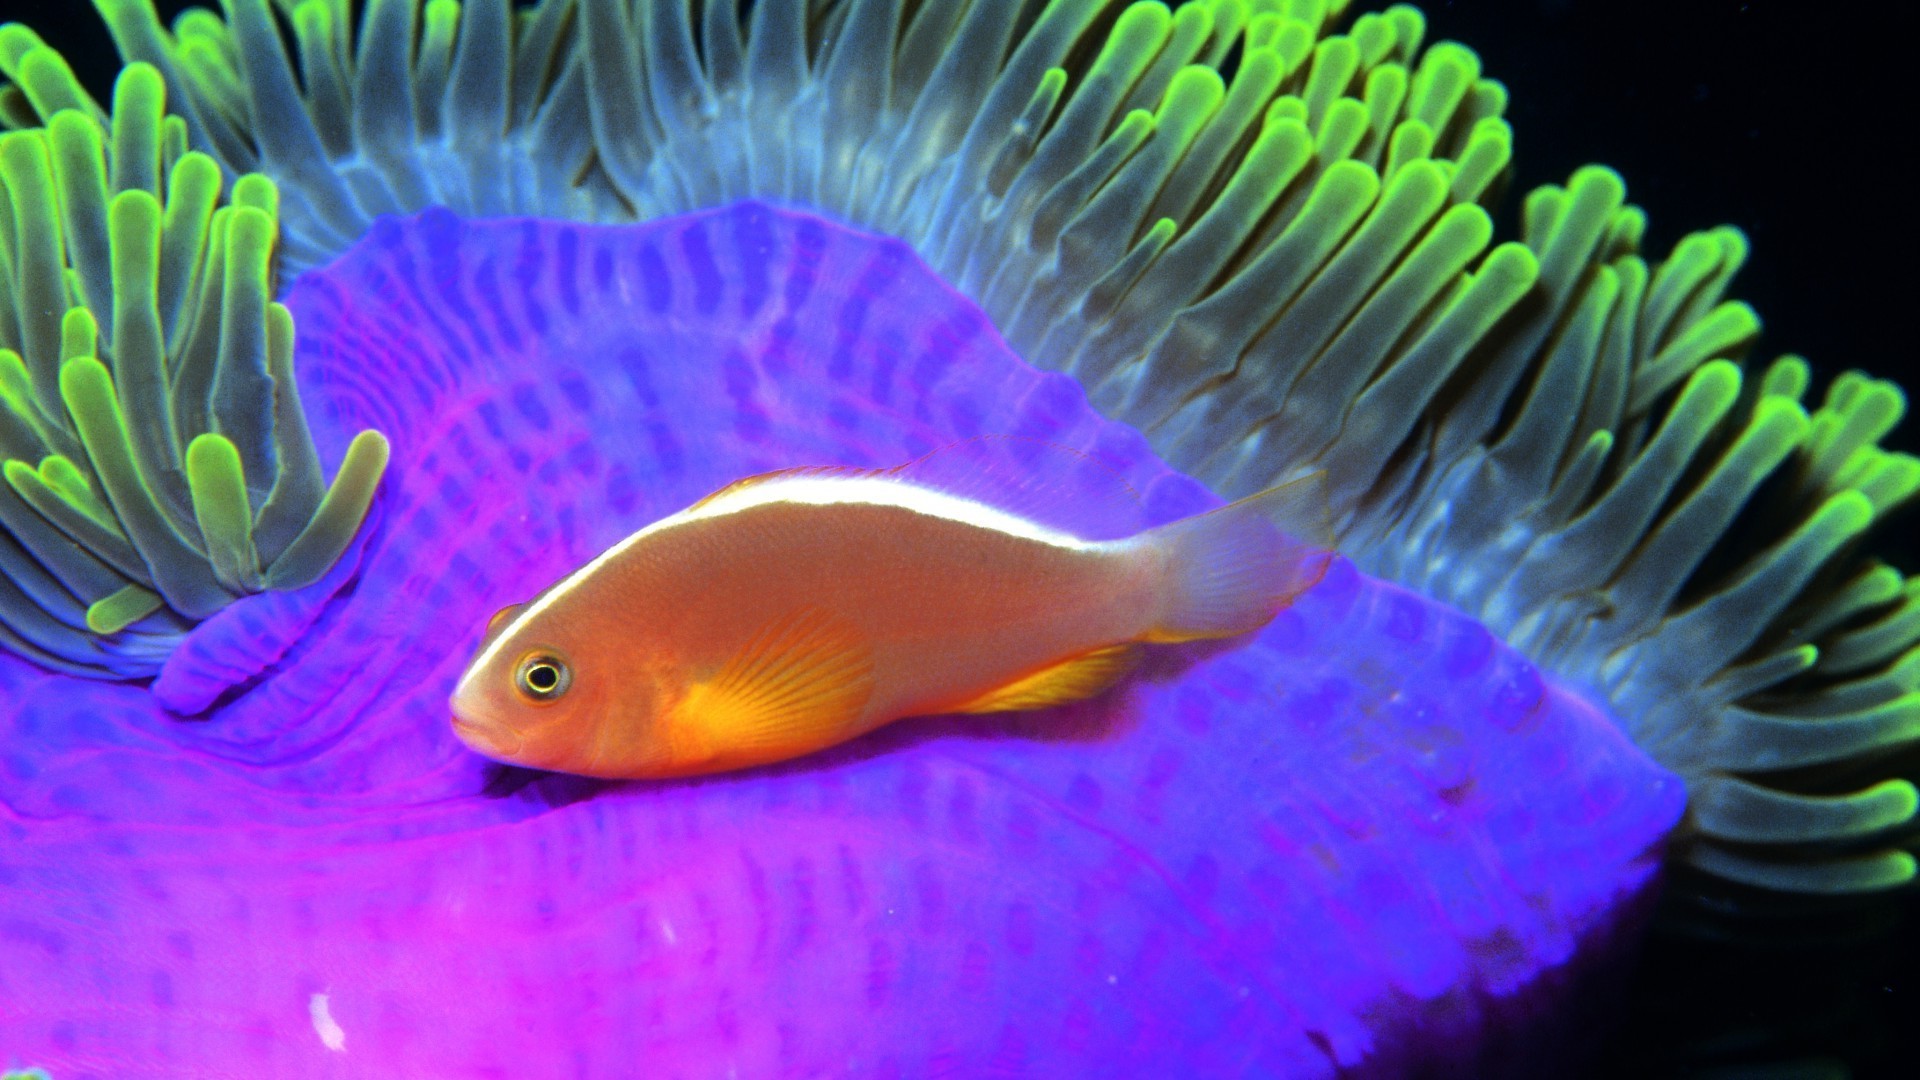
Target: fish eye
(542, 677)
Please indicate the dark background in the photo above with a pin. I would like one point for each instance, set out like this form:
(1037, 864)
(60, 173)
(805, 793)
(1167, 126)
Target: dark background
(1791, 124)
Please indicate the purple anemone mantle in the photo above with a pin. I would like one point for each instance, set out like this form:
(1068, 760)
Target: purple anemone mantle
(1368, 836)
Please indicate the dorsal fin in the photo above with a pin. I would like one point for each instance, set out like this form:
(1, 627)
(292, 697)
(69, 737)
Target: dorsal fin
(1045, 483)
(504, 616)
(500, 621)
(796, 472)
(1056, 486)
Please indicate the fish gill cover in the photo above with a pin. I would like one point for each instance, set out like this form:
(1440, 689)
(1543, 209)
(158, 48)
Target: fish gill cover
(1228, 239)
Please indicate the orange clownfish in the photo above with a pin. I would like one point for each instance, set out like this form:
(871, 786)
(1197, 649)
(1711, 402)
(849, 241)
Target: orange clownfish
(792, 611)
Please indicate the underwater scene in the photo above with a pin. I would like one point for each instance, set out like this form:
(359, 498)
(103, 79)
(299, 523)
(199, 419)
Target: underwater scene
(992, 538)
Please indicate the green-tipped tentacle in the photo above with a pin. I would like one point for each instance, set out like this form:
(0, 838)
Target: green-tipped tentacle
(217, 480)
(337, 518)
(157, 466)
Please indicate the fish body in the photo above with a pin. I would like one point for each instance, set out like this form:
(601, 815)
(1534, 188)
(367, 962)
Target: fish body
(793, 611)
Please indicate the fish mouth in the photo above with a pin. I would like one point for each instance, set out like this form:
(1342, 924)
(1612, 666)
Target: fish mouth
(491, 741)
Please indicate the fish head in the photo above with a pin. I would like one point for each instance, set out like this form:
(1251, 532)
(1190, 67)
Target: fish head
(536, 694)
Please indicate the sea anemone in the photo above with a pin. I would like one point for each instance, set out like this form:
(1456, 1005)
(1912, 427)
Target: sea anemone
(672, 245)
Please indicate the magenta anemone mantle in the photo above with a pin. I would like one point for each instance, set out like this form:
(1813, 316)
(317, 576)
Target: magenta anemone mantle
(583, 263)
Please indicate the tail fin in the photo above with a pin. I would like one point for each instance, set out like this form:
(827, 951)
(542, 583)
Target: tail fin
(1237, 567)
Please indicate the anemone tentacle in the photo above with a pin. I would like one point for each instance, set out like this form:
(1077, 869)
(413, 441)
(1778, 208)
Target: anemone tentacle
(156, 457)
(1268, 267)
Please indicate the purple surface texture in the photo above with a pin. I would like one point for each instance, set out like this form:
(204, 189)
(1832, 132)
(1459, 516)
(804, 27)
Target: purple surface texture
(1366, 840)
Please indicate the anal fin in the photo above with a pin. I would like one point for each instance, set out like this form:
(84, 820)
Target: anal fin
(1072, 679)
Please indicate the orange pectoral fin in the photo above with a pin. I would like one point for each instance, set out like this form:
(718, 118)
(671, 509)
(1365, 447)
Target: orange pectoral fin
(799, 685)
(1071, 679)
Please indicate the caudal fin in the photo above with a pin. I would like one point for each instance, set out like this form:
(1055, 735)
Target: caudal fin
(1237, 567)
